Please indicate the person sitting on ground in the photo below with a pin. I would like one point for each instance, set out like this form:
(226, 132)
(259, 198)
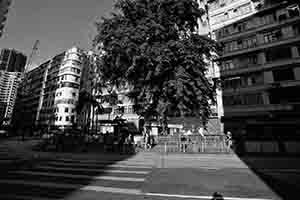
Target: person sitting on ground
(217, 196)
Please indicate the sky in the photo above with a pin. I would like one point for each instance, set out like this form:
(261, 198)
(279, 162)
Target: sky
(57, 24)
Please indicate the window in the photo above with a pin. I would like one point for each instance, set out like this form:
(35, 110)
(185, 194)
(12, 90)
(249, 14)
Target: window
(272, 36)
(66, 109)
(241, 27)
(73, 110)
(232, 83)
(283, 74)
(293, 11)
(282, 17)
(246, 99)
(67, 118)
(287, 31)
(60, 118)
(296, 29)
(130, 109)
(278, 54)
(252, 59)
(267, 19)
(73, 94)
(228, 65)
(254, 79)
(72, 118)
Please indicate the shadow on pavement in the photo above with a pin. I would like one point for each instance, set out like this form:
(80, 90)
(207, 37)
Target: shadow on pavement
(58, 175)
(279, 172)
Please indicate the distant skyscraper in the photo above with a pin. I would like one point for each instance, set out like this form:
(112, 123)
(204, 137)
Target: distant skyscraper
(12, 60)
(4, 5)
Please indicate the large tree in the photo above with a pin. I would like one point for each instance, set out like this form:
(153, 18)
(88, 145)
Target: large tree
(153, 46)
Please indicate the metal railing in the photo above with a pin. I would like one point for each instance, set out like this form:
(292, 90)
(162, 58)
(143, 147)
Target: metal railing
(193, 144)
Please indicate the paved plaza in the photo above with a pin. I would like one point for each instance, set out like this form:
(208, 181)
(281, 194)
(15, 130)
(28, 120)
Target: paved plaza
(146, 175)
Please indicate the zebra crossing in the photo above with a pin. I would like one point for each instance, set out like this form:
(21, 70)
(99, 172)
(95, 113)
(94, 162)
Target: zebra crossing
(60, 178)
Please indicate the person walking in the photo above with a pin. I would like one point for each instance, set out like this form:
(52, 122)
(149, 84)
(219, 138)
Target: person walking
(229, 139)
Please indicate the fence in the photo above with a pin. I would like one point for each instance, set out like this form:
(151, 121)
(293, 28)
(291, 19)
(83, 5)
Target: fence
(192, 144)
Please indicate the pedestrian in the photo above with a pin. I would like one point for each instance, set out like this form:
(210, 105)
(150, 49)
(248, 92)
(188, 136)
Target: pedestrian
(200, 131)
(145, 138)
(128, 143)
(148, 138)
(229, 139)
(121, 143)
(183, 145)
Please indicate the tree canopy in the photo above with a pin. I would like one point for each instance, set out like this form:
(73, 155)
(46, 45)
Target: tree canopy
(153, 46)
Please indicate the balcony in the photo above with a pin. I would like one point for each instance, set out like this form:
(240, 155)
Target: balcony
(253, 110)
(260, 47)
(246, 89)
(254, 26)
(260, 67)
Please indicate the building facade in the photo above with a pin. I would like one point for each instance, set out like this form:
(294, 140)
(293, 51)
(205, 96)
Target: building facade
(260, 71)
(51, 91)
(219, 13)
(122, 109)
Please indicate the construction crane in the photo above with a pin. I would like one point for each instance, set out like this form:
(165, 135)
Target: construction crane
(33, 52)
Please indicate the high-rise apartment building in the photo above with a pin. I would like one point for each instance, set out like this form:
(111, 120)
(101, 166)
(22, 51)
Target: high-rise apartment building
(12, 64)
(49, 95)
(260, 69)
(9, 82)
(219, 13)
(4, 5)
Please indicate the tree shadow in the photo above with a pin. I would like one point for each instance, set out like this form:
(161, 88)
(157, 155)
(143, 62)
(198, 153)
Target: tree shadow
(67, 173)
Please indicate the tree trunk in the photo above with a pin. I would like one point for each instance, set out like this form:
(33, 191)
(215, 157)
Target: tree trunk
(96, 122)
(164, 124)
(92, 117)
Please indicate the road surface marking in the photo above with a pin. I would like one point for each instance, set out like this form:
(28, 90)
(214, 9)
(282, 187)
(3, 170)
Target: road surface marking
(99, 165)
(113, 190)
(92, 170)
(140, 163)
(112, 178)
(198, 197)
